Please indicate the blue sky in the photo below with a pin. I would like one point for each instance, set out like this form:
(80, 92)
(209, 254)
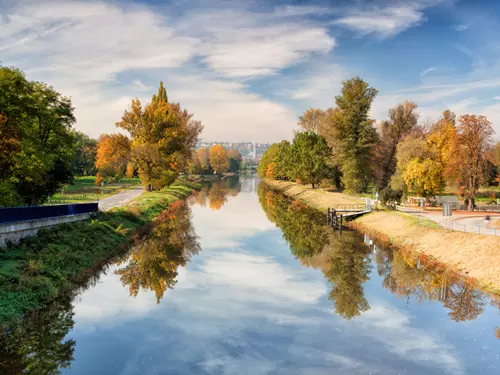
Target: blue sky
(247, 69)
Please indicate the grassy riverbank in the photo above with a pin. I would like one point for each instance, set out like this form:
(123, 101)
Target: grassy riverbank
(40, 268)
(472, 255)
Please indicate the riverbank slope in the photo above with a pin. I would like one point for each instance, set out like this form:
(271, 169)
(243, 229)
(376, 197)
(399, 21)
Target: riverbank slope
(472, 255)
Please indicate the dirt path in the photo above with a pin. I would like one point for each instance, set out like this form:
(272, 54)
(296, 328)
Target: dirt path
(317, 198)
(119, 199)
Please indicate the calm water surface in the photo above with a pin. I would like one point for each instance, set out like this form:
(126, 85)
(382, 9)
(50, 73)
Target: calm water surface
(244, 281)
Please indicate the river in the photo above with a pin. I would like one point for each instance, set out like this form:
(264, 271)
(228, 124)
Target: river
(241, 280)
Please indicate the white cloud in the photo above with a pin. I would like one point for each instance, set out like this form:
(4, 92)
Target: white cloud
(496, 98)
(395, 329)
(427, 71)
(316, 84)
(385, 22)
(459, 96)
(101, 53)
(461, 27)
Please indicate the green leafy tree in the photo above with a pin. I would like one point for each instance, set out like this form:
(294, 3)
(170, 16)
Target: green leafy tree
(36, 140)
(310, 154)
(353, 134)
(40, 345)
(85, 155)
(235, 159)
(349, 269)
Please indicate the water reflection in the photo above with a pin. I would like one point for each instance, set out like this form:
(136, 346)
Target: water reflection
(154, 262)
(40, 346)
(215, 192)
(345, 260)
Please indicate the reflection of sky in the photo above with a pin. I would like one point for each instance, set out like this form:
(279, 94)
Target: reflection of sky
(245, 306)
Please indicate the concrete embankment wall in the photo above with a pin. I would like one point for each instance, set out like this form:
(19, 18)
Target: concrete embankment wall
(13, 232)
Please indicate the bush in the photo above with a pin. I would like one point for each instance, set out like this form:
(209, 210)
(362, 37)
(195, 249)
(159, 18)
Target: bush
(390, 198)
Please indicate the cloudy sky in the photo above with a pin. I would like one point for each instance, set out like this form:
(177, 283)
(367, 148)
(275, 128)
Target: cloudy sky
(248, 68)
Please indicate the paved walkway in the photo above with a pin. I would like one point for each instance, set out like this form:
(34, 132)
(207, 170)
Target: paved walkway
(119, 199)
(463, 221)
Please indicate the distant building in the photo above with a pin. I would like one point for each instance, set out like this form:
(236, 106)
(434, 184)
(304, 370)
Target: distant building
(248, 150)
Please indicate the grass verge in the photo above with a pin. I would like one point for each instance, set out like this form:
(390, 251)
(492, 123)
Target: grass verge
(43, 267)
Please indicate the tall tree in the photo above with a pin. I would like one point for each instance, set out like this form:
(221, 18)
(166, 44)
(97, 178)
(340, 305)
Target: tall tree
(85, 155)
(402, 119)
(204, 158)
(441, 140)
(219, 159)
(474, 135)
(163, 135)
(310, 154)
(354, 134)
(36, 141)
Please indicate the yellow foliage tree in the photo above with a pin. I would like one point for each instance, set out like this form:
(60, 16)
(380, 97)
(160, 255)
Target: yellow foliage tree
(424, 176)
(163, 135)
(219, 159)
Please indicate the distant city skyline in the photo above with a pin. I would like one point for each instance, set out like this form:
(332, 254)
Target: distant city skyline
(248, 69)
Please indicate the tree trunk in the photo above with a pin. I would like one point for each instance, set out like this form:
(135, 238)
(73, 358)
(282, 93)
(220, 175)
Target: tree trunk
(313, 185)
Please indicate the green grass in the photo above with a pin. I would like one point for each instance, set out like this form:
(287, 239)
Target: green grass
(42, 267)
(84, 189)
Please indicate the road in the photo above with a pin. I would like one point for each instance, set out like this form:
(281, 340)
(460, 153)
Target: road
(119, 199)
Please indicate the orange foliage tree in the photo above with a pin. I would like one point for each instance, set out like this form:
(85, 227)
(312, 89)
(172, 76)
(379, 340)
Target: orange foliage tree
(113, 155)
(219, 159)
(474, 134)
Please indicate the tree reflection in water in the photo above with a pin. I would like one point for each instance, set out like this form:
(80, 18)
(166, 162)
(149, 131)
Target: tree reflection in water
(39, 346)
(408, 277)
(216, 192)
(153, 263)
(345, 261)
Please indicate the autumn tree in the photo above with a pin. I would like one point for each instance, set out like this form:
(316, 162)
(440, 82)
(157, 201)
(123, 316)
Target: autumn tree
(204, 158)
(36, 140)
(154, 262)
(310, 154)
(474, 135)
(312, 120)
(353, 133)
(418, 168)
(113, 155)
(276, 161)
(402, 119)
(441, 139)
(219, 160)
(163, 135)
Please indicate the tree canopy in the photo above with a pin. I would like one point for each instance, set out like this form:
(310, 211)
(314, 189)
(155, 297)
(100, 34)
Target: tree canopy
(36, 139)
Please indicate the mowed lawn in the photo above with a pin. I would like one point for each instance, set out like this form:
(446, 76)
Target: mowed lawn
(83, 189)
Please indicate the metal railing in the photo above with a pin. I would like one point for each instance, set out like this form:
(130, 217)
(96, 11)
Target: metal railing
(350, 207)
(16, 214)
(454, 226)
